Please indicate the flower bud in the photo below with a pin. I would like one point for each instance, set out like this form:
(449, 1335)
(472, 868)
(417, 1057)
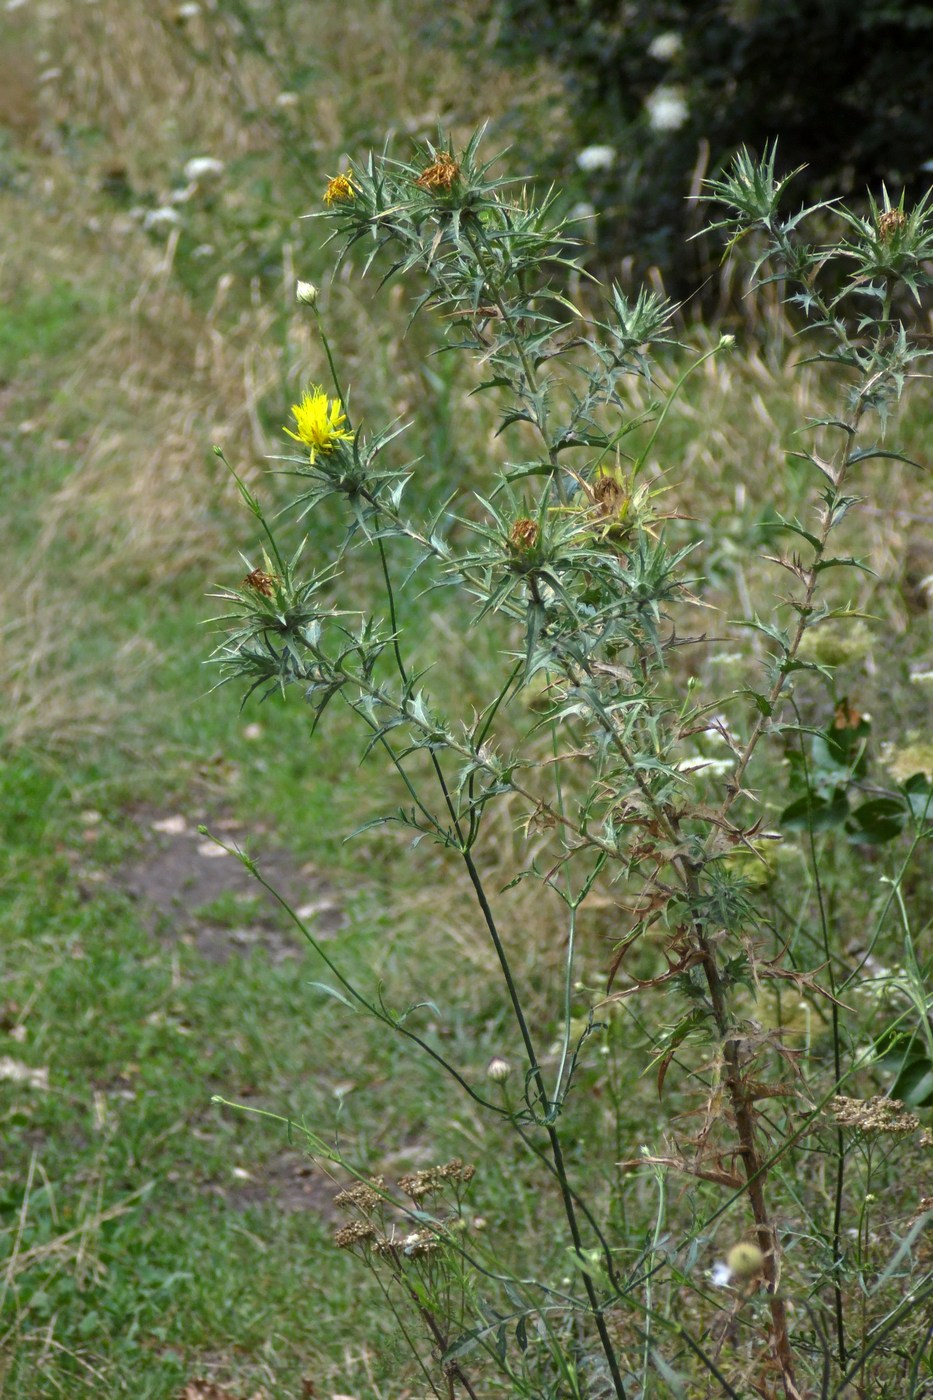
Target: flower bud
(498, 1069)
(306, 293)
(745, 1261)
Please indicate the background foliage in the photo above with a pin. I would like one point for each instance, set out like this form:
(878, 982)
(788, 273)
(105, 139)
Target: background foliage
(844, 88)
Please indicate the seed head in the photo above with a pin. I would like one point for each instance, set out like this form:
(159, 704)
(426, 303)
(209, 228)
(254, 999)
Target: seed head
(875, 1115)
(361, 1196)
(357, 1232)
(423, 1183)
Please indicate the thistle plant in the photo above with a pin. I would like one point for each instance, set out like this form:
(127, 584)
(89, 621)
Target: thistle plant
(573, 556)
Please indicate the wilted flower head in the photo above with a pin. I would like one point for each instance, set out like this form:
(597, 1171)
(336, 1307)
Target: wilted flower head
(440, 174)
(524, 535)
(361, 1196)
(340, 190)
(319, 421)
(431, 1179)
(357, 1232)
(261, 582)
(891, 222)
(667, 108)
(875, 1115)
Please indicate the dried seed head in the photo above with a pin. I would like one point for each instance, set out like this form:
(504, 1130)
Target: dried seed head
(261, 582)
(608, 495)
(891, 222)
(524, 535)
(357, 1232)
(360, 1196)
(874, 1115)
(440, 174)
(422, 1183)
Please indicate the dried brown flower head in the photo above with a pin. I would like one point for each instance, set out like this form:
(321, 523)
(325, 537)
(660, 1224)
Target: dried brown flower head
(874, 1115)
(357, 1232)
(362, 1196)
(422, 1183)
(261, 582)
(414, 1245)
(524, 535)
(608, 495)
(892, 221)
(440, 174)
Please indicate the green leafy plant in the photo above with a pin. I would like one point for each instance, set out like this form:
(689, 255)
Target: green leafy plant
(596, 734)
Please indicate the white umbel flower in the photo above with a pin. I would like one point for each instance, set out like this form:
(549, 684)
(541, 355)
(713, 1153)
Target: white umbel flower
(667, 108)
(664, 47)
(203, 168)
(593, 158)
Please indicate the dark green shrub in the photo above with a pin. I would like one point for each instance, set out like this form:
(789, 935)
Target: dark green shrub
(674, 88)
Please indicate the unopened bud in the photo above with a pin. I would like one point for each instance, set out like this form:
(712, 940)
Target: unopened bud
(498, 1070)
(306, 293)
(745, 1261)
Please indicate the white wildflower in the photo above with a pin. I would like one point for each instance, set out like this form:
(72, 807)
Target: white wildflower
(596, 158)
(306, 293)
(162, 218)
(664, 47)
(203, 168)
(667, 108)
(582, 211)
(712, 767)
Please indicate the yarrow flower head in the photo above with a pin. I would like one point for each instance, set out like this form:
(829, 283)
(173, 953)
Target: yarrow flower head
(667, 108)
(340, 190)
(319, 421)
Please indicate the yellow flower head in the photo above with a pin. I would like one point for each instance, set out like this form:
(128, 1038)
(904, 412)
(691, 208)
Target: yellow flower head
(319, 421)
(340, 190)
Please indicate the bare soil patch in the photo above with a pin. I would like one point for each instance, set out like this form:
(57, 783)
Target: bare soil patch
(190, 889)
